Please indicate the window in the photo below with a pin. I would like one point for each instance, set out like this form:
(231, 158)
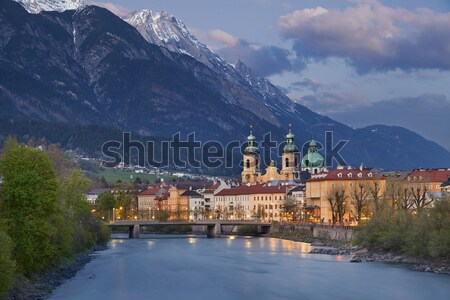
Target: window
(296, 161)
(349, 175)
(369, 175)
(359, 175)
(287, 162)
(276, 206)
(270, 198)
(248, 163)
(339, 175)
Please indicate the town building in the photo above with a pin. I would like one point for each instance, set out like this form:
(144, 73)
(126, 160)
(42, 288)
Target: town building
(429, 180)
(330, 194)
(258, 201)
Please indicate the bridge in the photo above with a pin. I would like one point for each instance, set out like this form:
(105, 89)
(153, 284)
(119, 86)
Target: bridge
(214, 227)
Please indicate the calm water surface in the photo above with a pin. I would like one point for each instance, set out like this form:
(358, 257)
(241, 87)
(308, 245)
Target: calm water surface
(184, 267)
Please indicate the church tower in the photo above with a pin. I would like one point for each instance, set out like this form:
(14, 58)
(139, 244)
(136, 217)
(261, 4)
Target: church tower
(290, 159)
(251, 172)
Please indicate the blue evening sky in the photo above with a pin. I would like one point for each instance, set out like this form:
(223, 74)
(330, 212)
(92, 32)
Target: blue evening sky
(361, 62)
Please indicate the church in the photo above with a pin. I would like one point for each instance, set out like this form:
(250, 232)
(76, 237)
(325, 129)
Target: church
(291, 169)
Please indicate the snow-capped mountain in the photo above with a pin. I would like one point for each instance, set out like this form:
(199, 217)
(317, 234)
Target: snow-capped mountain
(88, 66)
(165, 30)
(36, 6)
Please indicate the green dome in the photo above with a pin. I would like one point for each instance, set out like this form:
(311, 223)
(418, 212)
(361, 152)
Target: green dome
(290, 135)
(251, 149)
(313, 159)
(290, 146)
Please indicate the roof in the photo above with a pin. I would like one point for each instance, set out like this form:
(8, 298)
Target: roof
(191, 193)
(429, 175)
(254, 189)
(162, 197)
(99, 191)
(346, 174)
(151, 191)
(192, 184)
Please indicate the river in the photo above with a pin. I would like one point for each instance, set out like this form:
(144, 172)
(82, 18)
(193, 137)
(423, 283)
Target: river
(191, 267)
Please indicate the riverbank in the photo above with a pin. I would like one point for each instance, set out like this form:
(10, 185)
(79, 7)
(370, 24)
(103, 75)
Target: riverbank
(423, 264)
(43, 284)
(362, 255)
(321, 246)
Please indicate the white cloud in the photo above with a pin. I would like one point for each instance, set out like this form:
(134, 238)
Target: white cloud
(371, 36)
(114, 8)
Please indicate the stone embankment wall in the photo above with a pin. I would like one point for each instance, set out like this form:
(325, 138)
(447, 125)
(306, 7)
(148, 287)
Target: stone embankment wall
(340, 233)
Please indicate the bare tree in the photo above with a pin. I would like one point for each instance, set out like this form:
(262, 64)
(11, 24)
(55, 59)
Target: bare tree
(336, 198)
(419, 196)
(360, 200)
(377, 195)
(240, 211)
(291, 208)
(404, 199)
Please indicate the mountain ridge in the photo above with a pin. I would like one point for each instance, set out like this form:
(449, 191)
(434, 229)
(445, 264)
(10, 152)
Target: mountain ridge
(98, 69)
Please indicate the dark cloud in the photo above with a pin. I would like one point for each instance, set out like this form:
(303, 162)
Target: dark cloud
(330, 101)
(427, 114)
(306, 84)
(263, 60)
(371, 36)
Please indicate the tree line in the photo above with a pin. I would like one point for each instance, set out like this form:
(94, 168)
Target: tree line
(44, 215)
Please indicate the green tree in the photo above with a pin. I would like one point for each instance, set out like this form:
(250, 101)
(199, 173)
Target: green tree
(7, 264)
(106, 202)
(29, 200)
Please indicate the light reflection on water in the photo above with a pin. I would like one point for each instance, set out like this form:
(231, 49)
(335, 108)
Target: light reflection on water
(192, 267)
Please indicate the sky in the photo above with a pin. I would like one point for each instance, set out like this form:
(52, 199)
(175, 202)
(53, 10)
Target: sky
(361, 62)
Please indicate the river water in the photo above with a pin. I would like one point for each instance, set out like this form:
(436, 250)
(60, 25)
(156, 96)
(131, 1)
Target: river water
(191, 267)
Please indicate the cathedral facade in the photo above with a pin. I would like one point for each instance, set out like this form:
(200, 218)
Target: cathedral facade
(313, 162)
(251, 173)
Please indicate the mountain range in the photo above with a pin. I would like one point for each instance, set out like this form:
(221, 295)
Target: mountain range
(66, 62)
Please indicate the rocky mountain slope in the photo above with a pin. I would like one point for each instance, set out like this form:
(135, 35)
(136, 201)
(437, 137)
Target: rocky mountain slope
(88, 66)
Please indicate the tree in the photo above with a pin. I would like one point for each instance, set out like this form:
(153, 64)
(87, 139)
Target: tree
(404, 199)
(336, 198)
(239, 211)
(106, 202)
(61, 162)
(419, 196)
(291, 208)
(375, 192)
(360, 200)
(29, 201)
(7, 264)
(138, 180)
(72, 192)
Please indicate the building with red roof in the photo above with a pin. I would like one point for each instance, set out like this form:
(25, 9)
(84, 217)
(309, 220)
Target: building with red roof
(252, 201)
(332, 194)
